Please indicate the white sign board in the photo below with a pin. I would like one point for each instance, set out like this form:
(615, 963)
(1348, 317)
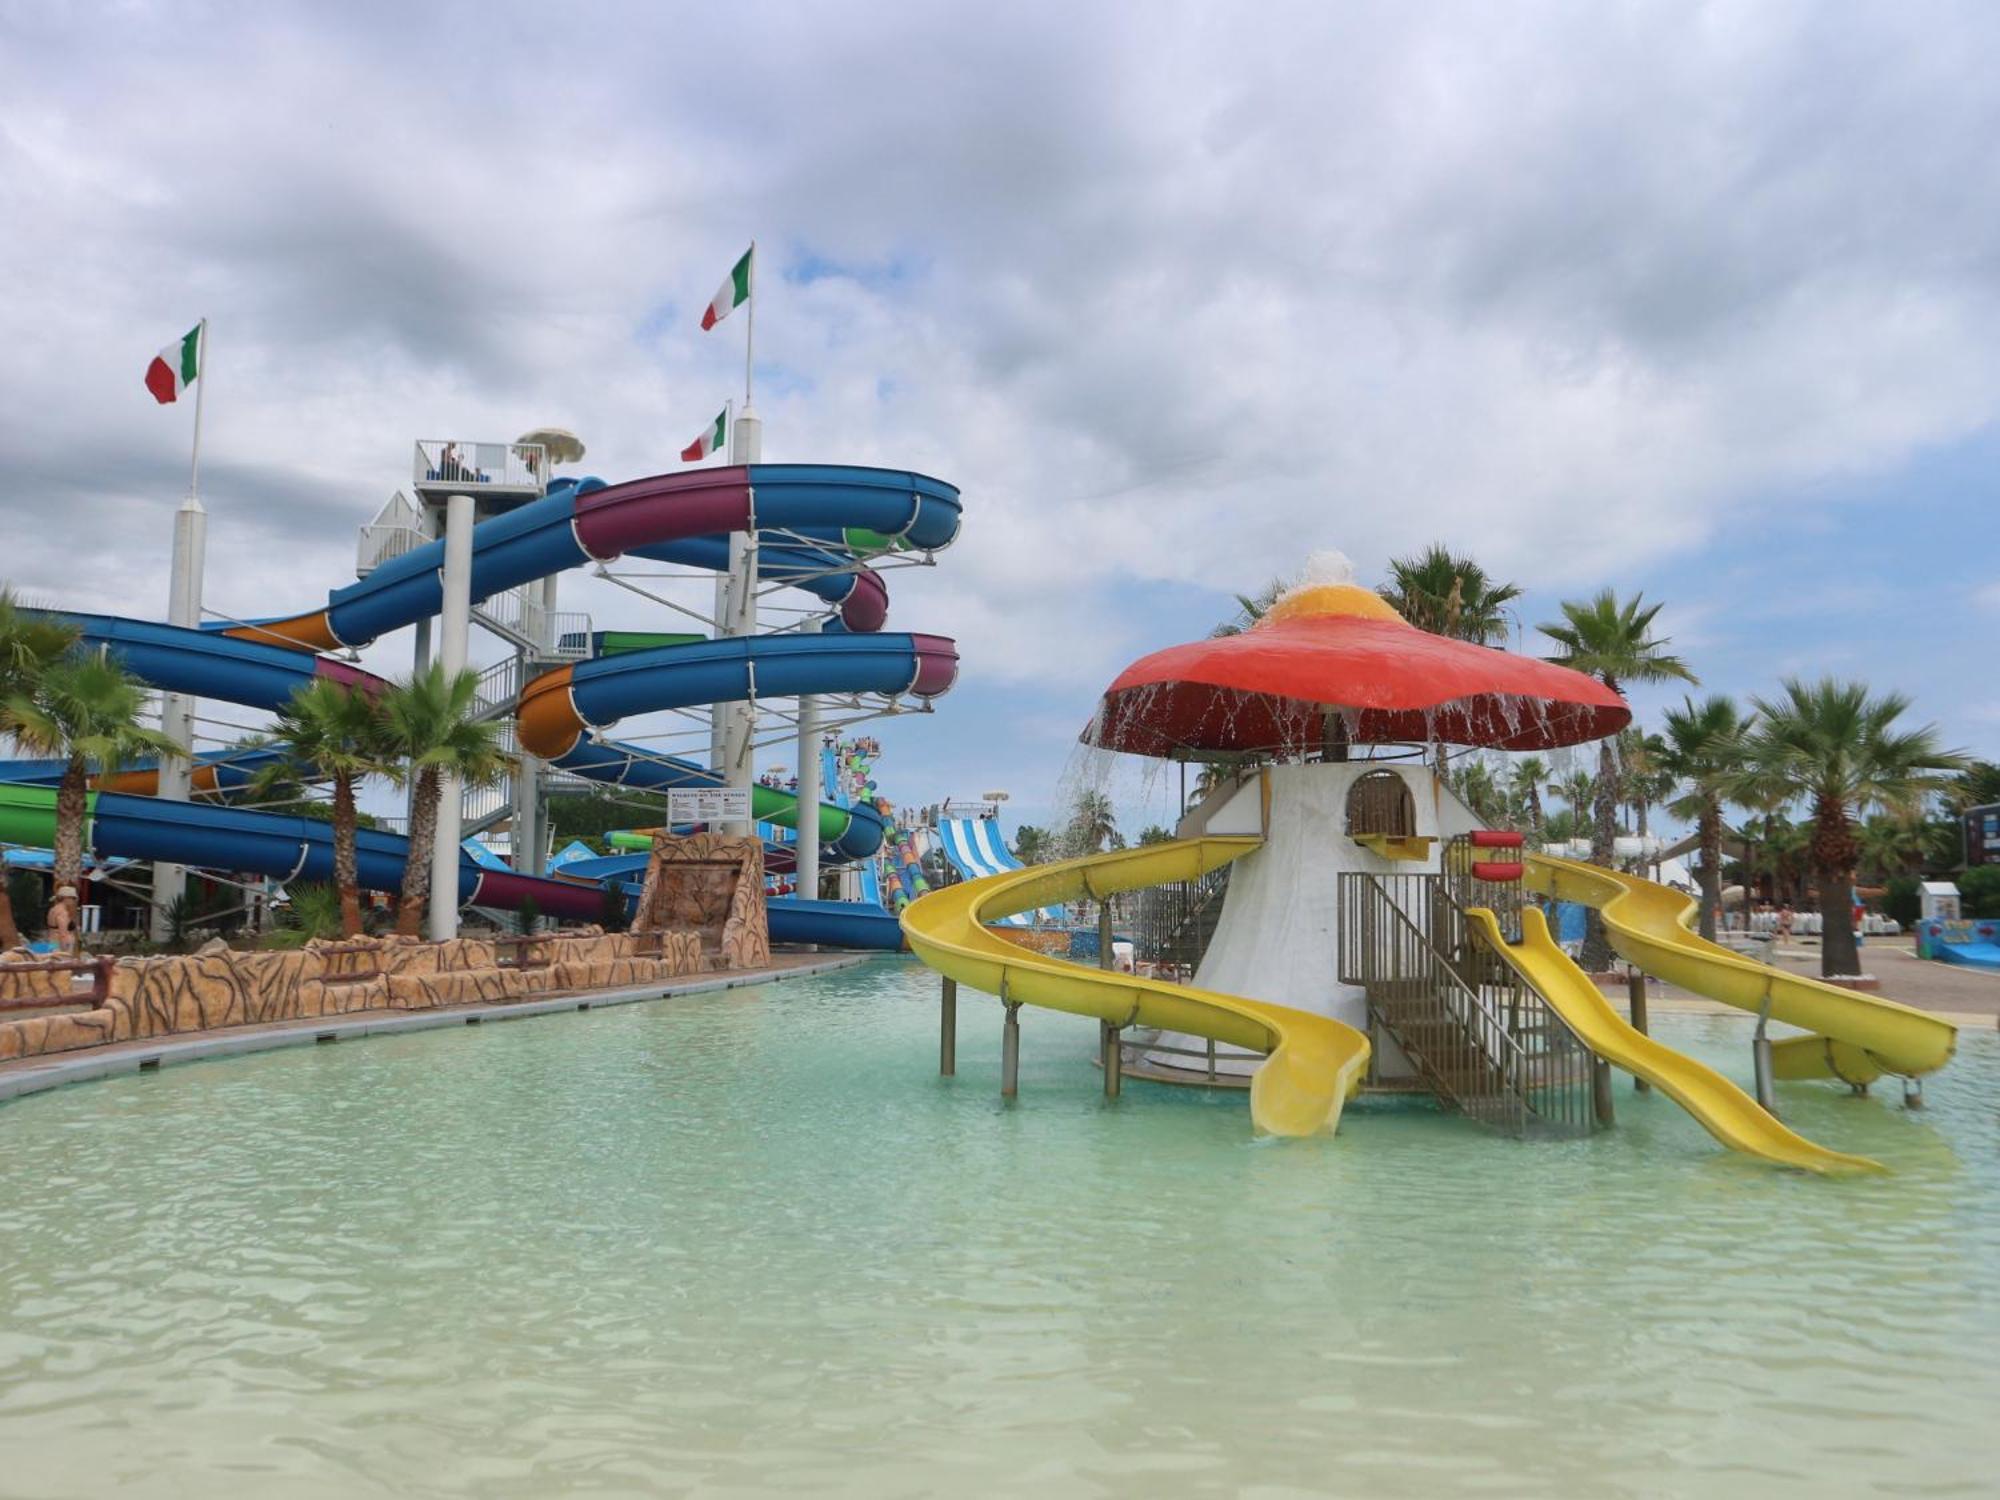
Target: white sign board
(708, 804)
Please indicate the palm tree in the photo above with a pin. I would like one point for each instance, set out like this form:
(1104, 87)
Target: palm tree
(85, 710)
(1579, 790)
(1449, 595)
(428, 731)
(1033, 845)
(333, 730)
(1529, 776)
(1613, 641)
(1250, 608)
(1558, 828)
(1093, 823)
(1476, 786)
(1892, 844)
(1644, 782)
(1839, 748)
(1704, 752)
(29, 641)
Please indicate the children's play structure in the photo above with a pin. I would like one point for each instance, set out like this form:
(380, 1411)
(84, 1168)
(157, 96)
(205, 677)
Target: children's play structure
(483, 543)
(1371, 932)
(1973, 944)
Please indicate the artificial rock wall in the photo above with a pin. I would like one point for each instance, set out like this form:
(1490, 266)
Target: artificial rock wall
(220, 987)
(712, 885)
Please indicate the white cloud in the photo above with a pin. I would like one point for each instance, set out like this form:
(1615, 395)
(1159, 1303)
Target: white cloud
(1174, 299)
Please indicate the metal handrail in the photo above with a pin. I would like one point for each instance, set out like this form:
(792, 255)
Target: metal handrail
(1420, 949)
(1457, 1001)
(1443, 969)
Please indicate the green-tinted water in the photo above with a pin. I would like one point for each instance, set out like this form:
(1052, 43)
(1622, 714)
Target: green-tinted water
(751, 1244)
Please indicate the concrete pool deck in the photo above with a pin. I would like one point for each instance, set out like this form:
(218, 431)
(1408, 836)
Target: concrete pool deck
(1967, 997)
(34, 1075)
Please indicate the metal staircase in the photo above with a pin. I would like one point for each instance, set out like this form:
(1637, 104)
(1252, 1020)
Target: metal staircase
(1479, 1038)
(1177, 922)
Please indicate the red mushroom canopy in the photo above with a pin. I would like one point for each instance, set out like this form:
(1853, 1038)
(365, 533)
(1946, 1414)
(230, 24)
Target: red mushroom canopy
(1335, 662)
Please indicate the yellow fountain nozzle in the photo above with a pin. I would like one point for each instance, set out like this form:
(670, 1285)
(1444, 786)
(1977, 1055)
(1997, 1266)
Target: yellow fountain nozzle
(1316, 600)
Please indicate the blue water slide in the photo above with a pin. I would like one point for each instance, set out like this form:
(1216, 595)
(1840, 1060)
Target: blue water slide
(289, 848)
(1971, 955)
(648, 771)
(199, 662)
(610, 688)
(840, 924)
(976, 848)
(582, 521)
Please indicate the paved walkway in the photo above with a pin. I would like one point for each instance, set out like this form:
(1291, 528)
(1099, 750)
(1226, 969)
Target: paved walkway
(31, 1075)
(1968, 996)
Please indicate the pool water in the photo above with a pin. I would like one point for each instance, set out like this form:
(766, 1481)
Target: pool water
(750, 1243)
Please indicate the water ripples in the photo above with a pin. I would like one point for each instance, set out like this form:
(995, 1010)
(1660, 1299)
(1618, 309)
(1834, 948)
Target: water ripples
(751, 1244)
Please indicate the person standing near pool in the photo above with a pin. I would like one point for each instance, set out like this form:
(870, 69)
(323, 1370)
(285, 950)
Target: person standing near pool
(62, 919)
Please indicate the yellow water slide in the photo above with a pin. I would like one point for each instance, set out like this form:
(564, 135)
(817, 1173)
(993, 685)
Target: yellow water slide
(1857, 1037)
(1315, 1063)
(1724, 1110)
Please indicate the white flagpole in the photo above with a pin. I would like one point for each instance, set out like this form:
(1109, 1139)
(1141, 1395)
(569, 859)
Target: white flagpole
(750, 331)
(200, 389)
(183, 609)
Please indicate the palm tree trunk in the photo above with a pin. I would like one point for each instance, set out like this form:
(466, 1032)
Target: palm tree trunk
(1603, 839)
(72, 803)
(1711, 866)
(417, 867)
(10, 932)
(1535, 812)
(1833, 858)
(346, 872)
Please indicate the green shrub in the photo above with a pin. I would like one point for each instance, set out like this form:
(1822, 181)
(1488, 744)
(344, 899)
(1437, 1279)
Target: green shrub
(314, 911)
(1902, 901)
(180, 917)
(1979, 891)
(616, 914)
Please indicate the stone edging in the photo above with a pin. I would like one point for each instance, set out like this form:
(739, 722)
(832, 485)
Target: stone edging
(53, 1070)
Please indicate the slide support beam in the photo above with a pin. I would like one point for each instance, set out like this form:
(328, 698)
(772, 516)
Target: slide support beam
(1635, 996)
(1113, 1071)
(1760, 1056)
(806, 848)
(948, 1029)
(1602, 1102)
(739, 719)
(1010, 1052)
(177, 709)
(454, 639)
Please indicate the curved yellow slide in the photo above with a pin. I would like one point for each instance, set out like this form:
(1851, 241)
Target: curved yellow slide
(1724, 1110)
(1315, 1063)
(1859, 1037)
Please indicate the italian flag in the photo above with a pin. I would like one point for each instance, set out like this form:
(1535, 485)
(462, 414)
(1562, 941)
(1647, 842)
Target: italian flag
(175, 367)
(734, 293)
(710, 442)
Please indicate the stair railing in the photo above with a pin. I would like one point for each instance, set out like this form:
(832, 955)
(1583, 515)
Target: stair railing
(1404, 939)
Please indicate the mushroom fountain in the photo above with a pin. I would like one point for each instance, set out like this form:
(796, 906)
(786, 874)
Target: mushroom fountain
(1326, 707)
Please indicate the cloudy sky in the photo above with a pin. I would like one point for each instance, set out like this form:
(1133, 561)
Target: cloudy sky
(1698, 300)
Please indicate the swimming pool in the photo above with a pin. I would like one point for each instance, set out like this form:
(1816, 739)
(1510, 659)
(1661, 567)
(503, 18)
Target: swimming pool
(750, 1243)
